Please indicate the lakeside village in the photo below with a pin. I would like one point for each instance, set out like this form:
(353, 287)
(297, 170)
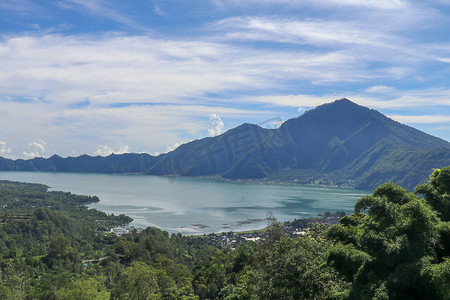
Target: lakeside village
(233, 239)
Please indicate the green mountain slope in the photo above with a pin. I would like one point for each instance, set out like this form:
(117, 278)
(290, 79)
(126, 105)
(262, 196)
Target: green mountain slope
(342, 142)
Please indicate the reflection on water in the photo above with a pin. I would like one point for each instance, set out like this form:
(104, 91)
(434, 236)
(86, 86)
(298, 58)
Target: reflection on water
(192, 205)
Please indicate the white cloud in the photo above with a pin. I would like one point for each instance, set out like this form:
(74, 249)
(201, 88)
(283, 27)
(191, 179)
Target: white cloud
(446, 60)
(380, 89)
(259, 65)
(352, 40)
(35, 149)
(99, 8)
(385, 98)
(442, 128)
(147, 128)
(445, 2)
(299, 100)
(215, 125)
(380, 4)
(19, 6)
(421, 119)
(313, 32)
(171, 148)
(157, 10)
(106, 150)
(69, 69)
(103, 150)
(4, 148)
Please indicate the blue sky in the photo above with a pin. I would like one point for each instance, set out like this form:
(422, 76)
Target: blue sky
(103, 76)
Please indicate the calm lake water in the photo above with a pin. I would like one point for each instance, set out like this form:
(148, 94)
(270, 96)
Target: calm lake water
(192, 205)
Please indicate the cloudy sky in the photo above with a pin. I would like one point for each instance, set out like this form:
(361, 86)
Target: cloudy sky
(103, 76)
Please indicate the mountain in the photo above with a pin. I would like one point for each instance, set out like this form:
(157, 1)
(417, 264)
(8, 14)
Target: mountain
(344, 142)
(336, 143)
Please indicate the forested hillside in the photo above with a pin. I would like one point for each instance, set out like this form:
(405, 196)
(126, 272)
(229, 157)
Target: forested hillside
(395, 246)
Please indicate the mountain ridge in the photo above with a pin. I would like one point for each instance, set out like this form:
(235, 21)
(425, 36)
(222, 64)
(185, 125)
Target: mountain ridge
(339, 143)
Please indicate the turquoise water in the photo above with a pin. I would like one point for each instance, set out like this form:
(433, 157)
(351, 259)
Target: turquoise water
(192, 205)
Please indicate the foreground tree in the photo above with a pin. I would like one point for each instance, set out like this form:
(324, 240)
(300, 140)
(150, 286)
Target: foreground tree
(437, 192)
(389, 248)
(287, 268)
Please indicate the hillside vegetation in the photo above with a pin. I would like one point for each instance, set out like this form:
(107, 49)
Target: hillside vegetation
(395, 246)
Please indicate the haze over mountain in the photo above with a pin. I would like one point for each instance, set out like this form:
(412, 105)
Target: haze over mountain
(336, 143)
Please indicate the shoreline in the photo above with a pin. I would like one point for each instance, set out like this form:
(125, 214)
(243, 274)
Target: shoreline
(267, 180)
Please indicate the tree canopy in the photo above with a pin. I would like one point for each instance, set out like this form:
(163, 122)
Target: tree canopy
(396, 245)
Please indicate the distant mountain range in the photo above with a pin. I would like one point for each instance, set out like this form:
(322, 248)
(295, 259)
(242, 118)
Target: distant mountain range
(339, 143)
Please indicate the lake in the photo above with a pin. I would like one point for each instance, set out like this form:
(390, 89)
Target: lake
(194, 205)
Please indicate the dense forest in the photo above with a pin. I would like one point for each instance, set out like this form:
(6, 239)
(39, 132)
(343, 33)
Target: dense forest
(396, 245)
